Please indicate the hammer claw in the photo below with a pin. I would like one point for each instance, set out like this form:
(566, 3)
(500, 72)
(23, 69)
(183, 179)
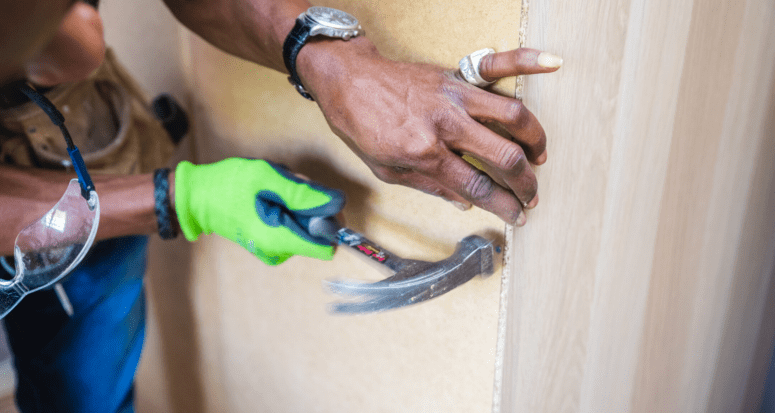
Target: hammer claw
(413, 285)
(412, 281)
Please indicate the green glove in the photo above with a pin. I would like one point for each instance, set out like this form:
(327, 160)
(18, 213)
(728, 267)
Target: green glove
(259, 205)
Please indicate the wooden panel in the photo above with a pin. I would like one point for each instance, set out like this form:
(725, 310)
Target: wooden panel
(640, 283)
(269, 340)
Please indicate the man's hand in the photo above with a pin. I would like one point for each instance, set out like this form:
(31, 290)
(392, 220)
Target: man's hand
(256, 204)
(412, 123)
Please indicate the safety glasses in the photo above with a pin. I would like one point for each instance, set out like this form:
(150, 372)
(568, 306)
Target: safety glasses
(52, 246)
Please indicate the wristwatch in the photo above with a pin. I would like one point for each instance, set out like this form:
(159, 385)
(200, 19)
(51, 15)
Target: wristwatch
(316, 21)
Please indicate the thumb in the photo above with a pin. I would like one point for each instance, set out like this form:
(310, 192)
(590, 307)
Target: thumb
(302, 196)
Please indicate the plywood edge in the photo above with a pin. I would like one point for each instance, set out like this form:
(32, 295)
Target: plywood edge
(500, 345)
(506, 273)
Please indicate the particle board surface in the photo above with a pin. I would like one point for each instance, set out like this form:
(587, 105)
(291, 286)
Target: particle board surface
(274, 347)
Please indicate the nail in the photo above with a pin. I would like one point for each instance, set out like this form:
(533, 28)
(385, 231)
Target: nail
(521, 219)
(461, 206)
(533, 202)
(542, 158)
(549, 60)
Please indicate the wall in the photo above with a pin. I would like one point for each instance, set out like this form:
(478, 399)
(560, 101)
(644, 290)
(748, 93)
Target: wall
(266, 338)
(146, 39)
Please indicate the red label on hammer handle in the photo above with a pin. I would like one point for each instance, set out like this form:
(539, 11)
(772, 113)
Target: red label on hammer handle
(372, 252)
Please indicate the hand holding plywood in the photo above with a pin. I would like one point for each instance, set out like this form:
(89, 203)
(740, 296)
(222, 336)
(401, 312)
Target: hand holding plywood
(410, 123)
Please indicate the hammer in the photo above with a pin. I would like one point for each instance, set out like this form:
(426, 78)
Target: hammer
(412, 281)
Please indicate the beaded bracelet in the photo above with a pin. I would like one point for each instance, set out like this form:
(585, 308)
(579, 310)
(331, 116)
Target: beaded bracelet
(162, 207)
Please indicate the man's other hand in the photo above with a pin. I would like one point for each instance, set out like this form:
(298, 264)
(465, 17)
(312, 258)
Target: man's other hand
(259, 205)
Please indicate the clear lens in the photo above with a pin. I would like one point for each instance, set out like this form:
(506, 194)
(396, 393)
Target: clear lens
(49, 248)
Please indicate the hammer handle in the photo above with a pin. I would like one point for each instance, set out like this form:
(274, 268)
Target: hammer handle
(329, 229)
(324, 227)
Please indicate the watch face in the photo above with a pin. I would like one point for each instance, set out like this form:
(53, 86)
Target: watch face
(332, 17)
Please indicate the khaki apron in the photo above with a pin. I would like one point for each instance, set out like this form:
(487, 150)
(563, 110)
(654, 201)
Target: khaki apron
(108, 117)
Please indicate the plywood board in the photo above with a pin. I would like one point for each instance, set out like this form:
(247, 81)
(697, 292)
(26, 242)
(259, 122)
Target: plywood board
(640, 282)
(266, 334)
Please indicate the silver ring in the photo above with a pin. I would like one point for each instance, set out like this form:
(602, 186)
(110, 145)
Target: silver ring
(469, 67)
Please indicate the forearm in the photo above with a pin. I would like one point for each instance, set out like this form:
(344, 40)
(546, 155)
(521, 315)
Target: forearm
(256, 30)
(253, 30)
(126, 202)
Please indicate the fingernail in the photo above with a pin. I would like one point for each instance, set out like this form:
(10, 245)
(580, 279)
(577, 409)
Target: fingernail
(461, 206)
(549, 60)
(542, 158)
(521, 219)
(533, 202)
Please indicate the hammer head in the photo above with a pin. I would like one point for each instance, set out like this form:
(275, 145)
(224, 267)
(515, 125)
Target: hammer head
(417, 281)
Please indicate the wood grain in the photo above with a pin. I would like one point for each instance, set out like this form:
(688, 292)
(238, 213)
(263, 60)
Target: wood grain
(640, 283)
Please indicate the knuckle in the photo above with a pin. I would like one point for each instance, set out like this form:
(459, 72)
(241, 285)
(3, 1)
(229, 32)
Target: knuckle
(451, 82)
(516, 113)
(404, 151)
(478, 186)
(511, 157)
(487, 64)
(448, 122)
(454, 91)
(419, 150)
(520, 54)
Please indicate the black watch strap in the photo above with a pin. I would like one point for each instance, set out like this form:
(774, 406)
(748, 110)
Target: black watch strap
(296, 39)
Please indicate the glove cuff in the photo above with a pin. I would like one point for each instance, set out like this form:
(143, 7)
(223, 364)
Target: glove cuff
(188, 224)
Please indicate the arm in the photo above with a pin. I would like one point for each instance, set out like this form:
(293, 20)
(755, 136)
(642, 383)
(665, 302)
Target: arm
(251, 202)
(126, 202)
(252, 30)
(429, 117)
